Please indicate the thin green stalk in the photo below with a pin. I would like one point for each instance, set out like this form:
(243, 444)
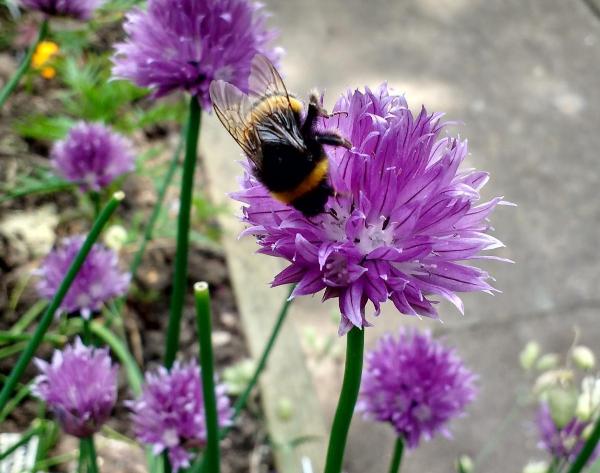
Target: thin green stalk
(91, 454)
(587, 450)
(11, 350)
(82, 457)
(241, 401)
(48, 316)
(397, 457)
(8, 337)
(14, 80)
(28, 317)
(134, 375)
(96, 200)
(183, 232)
(87, 331)
(22, 441)
(355, 340)
(22, 393)
(203, 323)
(149, 229)
(162, 191)
(52, 461)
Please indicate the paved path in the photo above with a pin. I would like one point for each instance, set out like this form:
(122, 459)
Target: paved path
(523, 75)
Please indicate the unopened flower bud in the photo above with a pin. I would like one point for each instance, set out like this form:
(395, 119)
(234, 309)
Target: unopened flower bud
(563, 404)
(583, 357)
(536, 467)
(237, 376)
(285, 409)
(587, 432)
(115, 237)
(464, 464)
(529, 355)
(550, 379)
(546, 362)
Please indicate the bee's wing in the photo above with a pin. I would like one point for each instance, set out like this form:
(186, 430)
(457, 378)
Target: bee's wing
(264, 79)
(233, 108)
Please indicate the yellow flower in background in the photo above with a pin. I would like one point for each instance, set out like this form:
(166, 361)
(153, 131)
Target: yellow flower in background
(44, 51)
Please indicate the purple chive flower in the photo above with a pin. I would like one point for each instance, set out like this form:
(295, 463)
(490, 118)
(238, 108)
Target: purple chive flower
(402, 222)
(80, 387)
(185, 44)
(78, 9)
(169, 414)
(416, 384)
(93, 156)
(563, 443)
(98, 280)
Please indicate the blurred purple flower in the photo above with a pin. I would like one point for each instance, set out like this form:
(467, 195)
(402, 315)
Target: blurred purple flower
(93, 156)
(169, 414)
(98, 280)
(563, 443)
(402, 219)
(416, 384)
(186, 44)
(80, 387)
(78, 9)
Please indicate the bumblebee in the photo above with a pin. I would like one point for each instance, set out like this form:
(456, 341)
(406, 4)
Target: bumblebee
(281, 140)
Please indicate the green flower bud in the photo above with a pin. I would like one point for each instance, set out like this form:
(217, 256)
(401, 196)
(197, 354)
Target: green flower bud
(549, 361)
(236, 377)
(583, 357)
(464, 464)
(115, 237)
(536, 467)
(563, 404)
(285, 409)
(587, 432)
(529, 354)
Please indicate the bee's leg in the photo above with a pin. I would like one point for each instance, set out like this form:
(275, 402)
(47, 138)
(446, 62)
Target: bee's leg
(332, 138)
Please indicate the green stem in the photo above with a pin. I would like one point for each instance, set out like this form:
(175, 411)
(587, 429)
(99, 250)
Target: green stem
(82, 457)
(355, 341)
(91, 454)
(241, 401)
(48, 316)
(183, 232)
(28, 317)
(134, 376)
(22, 441)
(203, 322)
(8, 337)
(87, 332)
(14, 80)
(22, 393)
(96, 202)
(587, 450)
(397, 457)
(149, 230)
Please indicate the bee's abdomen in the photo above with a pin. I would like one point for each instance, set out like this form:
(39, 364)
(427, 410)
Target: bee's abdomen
(309, 183)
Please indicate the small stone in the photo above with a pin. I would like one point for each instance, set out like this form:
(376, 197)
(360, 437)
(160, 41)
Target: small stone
(220, 338)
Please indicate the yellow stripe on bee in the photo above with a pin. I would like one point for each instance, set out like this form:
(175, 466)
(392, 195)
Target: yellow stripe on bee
(268, 104)
(309, 183)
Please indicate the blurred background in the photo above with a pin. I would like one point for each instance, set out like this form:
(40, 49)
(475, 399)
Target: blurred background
(522, 78)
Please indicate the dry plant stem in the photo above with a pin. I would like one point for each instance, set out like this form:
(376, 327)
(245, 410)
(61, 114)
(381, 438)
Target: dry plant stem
(183, 232)
(48, 316)
(203, 323)
(587, 450)
(14, 80)
(355, 340)
(397, 457)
